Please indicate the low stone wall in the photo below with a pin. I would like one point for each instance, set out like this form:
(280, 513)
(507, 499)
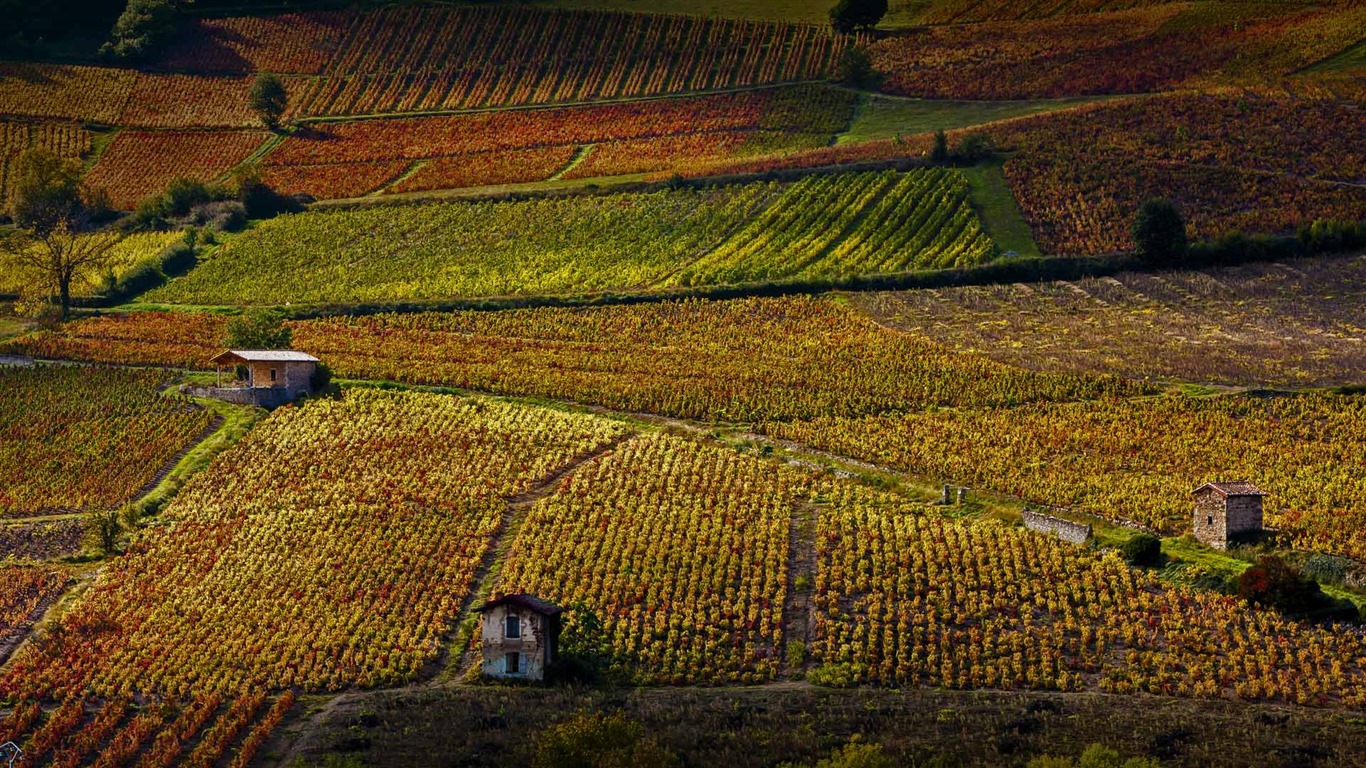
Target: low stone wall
(1074, 533)
(260, 397)
(16, 360)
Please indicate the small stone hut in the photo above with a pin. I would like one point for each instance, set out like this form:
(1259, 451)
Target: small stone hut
(521, 634)
(1227, 512)
(274, 377)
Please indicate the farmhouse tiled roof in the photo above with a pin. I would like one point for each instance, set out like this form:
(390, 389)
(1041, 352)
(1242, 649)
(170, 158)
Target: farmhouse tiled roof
(530, 602)
(264, 356)
(1233, 488)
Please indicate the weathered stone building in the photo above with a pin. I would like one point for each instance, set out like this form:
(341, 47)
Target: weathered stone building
(520, 636)
(274, 377)
(1227, 512)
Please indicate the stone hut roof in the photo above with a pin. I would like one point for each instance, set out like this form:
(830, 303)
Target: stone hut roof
(529, 602)
(234, 356)
(1232, 488)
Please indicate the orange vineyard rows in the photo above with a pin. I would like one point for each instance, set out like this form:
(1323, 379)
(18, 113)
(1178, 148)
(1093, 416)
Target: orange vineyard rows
(679, 548)
(730, 360)
(372, 511)
(347, 159)
(139, 164)
(414, 59)
(80, 439)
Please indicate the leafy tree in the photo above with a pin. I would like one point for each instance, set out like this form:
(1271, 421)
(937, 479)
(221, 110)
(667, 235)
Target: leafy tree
(142, 28)
(259, 328)
(974, 147)
(940, 152)
(56, 239)
(850, 15)
(104, 528)
(1142, 549)
(1159, 232)
(856, 68)
(596, 740)
(1095, 756)
(268, 99)
(47, 191)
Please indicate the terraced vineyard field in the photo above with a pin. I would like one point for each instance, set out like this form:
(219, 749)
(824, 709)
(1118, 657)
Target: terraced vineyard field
(78, 439)
(435, 58)
(1229, 161)
(906, 598)
(680, 550)
(1296, 323)
(737, 360)
(826, 227)
(348, 159)
(139, 164)
(1139, 459)
(1136, 50)
(382, 505)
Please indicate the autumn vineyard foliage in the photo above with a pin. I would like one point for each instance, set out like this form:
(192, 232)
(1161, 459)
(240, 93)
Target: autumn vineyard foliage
(129, 253)
(139, 164)
(23, 590)
(1293, 323)
(76, 439)
(743, 360)
(908, 598)
(823, 226)
(430, 58)
(1231, 161)
(41, 540)
(1138, 459)
(332, 547)
(331, 160)
(1138, 50)
(679, 548)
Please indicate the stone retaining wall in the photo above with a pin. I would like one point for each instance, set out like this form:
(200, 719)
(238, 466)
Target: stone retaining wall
(1071, 532)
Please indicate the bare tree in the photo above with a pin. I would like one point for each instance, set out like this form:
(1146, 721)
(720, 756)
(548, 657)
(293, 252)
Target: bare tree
(60, 254)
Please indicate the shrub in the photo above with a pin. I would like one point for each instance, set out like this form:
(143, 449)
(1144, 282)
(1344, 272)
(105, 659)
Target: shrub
(1142, 549)
(973, 148)
(940, 153)
(1159, 232)
(596, 740)
(1274, 583)
(856, 754)
(856, 68)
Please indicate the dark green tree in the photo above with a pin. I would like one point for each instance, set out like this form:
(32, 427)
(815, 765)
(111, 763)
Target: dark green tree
(850, 15)
(142, 28)
(1159, 232)
(856, 68)
(259, 328)
(940, 152)
(268, 99)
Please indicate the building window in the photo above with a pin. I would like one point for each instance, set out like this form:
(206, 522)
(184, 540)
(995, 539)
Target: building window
(272, 374)
(1210, 520)
(514, 626)
(513, 662)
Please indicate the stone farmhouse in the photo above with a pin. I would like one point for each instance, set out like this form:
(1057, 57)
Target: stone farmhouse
(520, 636)
(1227, 512)
(274, 377)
